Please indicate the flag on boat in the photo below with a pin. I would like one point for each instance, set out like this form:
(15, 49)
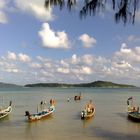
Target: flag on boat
(130, 98)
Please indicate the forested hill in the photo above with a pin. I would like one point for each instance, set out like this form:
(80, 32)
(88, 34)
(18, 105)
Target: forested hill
(92, 84)
(3, 85)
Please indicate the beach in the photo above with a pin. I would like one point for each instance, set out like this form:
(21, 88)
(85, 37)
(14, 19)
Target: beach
(109, 123)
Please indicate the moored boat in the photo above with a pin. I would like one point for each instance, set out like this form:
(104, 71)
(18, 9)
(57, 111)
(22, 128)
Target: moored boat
(88, 112)
(135, 116)
(42, 114)
(132, 111)
(4, 112)
(87, 115)
(78, 97)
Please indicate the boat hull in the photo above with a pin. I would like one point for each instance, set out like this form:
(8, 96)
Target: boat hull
(134, 116)
(87, 115)
(32, 119)
(5, 112)
(41, 115)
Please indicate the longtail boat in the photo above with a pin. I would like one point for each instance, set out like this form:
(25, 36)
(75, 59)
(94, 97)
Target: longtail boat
(134, 116)
(78, 97)
(4, 112)
(42, 114)
(87, 115)
(88, 112)
(132, 111)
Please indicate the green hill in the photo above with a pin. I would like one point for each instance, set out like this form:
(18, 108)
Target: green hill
(92, 84)
(4, 85)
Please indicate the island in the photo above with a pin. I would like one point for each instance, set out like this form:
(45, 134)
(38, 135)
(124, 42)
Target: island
(101, 84)
(6, 85)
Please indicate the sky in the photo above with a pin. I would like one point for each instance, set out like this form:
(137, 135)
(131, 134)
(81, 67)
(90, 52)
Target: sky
(49, 46)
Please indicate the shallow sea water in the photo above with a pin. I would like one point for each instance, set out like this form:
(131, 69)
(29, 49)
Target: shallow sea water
(109, 123)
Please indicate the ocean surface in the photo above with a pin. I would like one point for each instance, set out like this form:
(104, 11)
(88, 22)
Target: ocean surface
(109, 123)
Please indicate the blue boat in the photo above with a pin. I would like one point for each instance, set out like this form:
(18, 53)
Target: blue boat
(42, 114)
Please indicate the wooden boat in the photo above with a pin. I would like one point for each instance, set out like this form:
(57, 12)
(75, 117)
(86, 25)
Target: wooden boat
(78, 97)
(4, 112)
(86, 115)
(134, 116)
(89, 111)
(42, 114)
(132, 111)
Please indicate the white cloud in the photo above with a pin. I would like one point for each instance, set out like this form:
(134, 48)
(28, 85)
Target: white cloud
(35, 65)
(122, 64)
(35, 8)
(46, 73)
(74, 69)
(3, 16)
(8, 66)
(83, 70)
(127, 54)
(64, 64)
(87, 40)
(63, 70)
(88, 59)
(133, 38)
(125, 49)
(137, 50)
(40, 58)
(23, 57)
(74, 59)
(52, 39)
(11, 56)
(86, 70)
(12, 70)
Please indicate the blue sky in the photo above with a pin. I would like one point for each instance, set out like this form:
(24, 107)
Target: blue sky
(57, 46)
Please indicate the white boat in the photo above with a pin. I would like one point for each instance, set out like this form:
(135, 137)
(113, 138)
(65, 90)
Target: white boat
(6, 111)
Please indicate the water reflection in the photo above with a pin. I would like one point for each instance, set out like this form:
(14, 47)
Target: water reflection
(87, 121)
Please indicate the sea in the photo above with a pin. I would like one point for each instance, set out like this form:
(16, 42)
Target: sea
(109, 123)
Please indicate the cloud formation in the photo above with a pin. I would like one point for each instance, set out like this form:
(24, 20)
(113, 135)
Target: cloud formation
(32, 7)
(24, 58)
(35, 8)
(133, 38)
(11, 56)
(122, 66)
(87, 41)
(3, 16)
(128, 54)
(52, 39)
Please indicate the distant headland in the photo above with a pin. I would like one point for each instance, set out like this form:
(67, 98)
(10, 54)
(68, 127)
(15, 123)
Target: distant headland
(6, 85)
(101, 84)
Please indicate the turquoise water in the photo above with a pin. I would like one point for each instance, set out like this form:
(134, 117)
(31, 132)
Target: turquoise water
(109, 123)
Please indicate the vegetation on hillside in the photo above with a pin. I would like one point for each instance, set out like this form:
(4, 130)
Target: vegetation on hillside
(92, 84)
(7, 85)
